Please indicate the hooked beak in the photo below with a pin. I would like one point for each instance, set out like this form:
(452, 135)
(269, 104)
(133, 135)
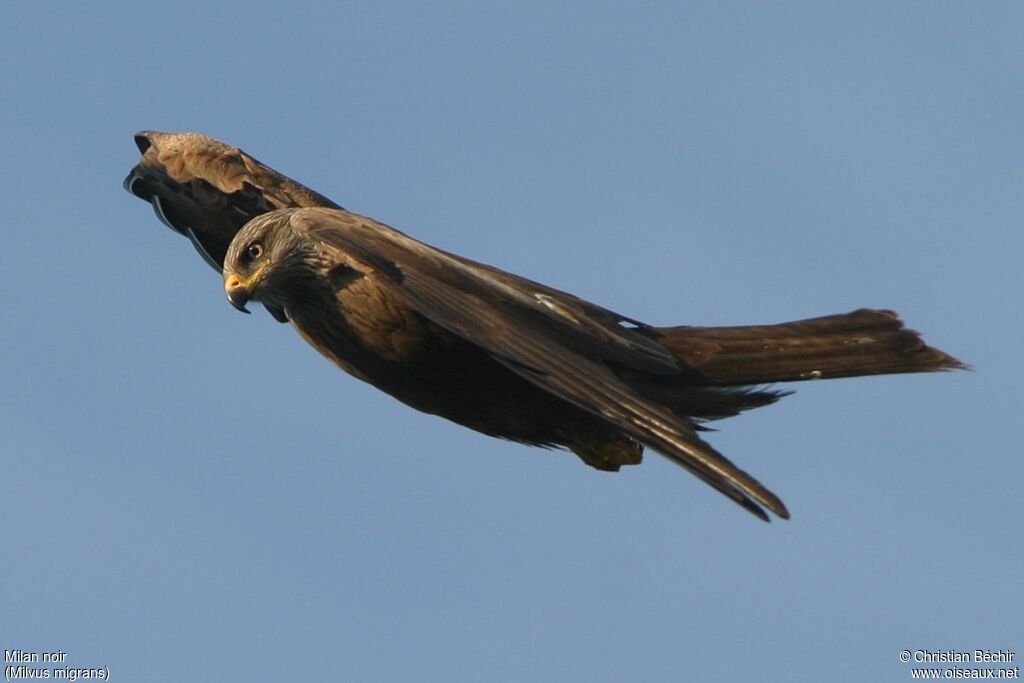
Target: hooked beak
(238, 292)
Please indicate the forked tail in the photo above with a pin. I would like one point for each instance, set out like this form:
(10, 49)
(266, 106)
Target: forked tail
(864, 342)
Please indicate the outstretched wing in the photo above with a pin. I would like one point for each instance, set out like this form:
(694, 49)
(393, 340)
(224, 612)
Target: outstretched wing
(561, 343)
(207, 190)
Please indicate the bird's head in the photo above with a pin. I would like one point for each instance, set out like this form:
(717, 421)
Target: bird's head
(259, 259)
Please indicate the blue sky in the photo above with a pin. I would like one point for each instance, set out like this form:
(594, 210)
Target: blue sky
(190, 493)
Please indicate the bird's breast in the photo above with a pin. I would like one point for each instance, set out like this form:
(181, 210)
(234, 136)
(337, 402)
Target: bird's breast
(362, 326)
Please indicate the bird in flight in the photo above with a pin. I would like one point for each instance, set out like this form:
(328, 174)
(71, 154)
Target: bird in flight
(491, 350)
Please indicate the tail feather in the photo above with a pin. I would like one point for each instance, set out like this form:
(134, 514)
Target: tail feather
(864, 342)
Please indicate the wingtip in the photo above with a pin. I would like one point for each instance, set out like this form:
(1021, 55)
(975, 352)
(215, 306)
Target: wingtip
(756, 510)
(775, 504)
(753, 508)
(142, 140)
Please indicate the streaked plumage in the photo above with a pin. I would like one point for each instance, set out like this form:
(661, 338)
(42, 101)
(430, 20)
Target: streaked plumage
(487, 349)
(207, 190)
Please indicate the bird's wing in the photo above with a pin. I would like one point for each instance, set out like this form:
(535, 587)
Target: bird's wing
(559, 342)
(207, 190)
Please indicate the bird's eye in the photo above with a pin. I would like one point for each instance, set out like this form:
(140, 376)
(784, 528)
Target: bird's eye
(254, 251)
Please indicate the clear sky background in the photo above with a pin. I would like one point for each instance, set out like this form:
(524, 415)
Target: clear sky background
(193, 494)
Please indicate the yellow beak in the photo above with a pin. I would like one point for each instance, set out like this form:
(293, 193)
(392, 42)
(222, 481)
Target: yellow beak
(239, 290)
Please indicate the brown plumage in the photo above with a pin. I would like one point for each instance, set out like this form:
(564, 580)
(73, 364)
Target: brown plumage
(487, 349)
(207, 190)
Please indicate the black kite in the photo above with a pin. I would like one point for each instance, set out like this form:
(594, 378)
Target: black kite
(490, 350)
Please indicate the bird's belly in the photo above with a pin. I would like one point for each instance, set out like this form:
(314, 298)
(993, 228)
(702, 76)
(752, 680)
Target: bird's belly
(437, 372)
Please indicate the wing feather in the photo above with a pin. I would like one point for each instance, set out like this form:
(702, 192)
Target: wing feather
(559, 342)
